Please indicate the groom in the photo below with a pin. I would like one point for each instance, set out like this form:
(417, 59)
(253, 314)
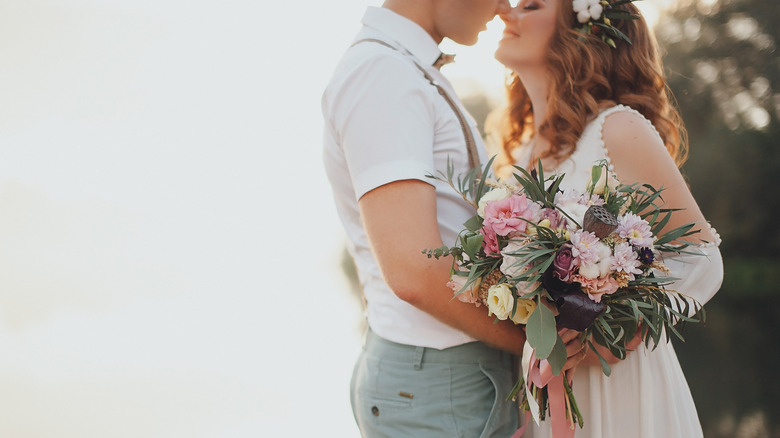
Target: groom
(431, 366)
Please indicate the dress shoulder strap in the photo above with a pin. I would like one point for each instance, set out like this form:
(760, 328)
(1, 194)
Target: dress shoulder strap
(599, 121)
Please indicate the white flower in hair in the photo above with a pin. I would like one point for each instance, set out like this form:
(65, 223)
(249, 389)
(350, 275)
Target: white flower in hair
(587, 10)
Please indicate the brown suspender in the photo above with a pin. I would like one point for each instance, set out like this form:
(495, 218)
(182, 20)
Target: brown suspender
(468, 134)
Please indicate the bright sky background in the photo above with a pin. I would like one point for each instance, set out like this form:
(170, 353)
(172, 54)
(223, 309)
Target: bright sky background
(169, 252)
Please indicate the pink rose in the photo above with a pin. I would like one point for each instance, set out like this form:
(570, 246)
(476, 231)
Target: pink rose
(507, 215)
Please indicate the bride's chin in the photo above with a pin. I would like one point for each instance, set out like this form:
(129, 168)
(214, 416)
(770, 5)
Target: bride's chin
(505, 55)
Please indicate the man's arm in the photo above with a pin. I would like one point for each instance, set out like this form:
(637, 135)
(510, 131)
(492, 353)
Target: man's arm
(400, 220)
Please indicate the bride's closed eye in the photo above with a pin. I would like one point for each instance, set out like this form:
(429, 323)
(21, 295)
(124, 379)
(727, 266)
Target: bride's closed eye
(531, 6)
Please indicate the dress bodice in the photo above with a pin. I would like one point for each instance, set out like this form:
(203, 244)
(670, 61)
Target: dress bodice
(589, 150)
(701, 276)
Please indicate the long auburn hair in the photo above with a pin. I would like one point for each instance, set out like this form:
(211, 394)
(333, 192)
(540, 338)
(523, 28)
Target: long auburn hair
(585, 73)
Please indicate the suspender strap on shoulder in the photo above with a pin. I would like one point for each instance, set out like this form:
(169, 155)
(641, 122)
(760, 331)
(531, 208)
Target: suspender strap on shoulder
(468, 134)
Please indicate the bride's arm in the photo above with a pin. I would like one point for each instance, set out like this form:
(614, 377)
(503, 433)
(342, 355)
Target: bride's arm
(639, 156)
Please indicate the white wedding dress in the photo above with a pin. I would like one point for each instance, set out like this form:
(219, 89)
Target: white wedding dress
(646, 395)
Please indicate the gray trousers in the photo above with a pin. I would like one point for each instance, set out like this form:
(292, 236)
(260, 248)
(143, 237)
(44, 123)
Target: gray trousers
(407, 391)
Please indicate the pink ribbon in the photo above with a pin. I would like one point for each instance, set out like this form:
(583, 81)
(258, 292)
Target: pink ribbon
(541, 375)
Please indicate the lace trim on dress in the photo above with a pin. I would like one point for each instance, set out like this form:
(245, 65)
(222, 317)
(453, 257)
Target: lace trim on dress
(714, 243)
(600, 123)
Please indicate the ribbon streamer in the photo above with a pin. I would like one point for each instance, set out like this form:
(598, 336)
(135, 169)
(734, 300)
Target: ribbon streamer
(540, 374)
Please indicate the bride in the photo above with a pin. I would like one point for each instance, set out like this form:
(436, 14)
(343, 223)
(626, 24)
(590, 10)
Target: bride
(579, 92)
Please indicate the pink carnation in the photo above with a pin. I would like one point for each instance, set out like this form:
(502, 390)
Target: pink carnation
(507, 215)
(489, 241)
(597, 287)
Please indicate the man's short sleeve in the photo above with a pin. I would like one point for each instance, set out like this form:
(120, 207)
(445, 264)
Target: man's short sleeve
(385, 120)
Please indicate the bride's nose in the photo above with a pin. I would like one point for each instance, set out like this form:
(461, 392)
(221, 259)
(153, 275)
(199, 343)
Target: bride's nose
(508, 17)
(503, 7)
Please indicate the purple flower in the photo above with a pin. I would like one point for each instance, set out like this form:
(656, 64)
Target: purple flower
(646, 255)
(565, 263)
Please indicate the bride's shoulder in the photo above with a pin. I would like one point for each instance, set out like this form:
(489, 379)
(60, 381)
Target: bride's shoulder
(623, 127)
(635, 148)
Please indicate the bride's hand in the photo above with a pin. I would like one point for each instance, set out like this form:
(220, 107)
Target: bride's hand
(575, 348)
(592, 359)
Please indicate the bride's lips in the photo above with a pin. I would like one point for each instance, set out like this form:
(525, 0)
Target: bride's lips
(508, 34)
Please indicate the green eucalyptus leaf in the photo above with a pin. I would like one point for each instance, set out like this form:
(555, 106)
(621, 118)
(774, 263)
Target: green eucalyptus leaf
(557, 357)
(474, 224)
(541, 332)
(604, 365)
(472, 244)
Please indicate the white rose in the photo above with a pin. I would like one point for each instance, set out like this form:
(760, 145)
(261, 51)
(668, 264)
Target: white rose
(500, 301)
(575, 210)
(496, 194)
(524, 310)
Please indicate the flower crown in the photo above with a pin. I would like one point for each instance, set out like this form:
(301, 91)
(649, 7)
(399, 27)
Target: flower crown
(596, 17)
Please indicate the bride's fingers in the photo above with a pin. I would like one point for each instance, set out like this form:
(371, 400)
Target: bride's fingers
(573, 347)
(574, 359)
(568, 335)
(634, 342)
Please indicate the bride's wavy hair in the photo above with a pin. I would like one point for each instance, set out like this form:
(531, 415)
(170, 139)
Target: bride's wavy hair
(585, 72)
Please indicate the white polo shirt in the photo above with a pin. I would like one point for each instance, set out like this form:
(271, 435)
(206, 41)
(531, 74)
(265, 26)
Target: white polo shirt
(385, 122)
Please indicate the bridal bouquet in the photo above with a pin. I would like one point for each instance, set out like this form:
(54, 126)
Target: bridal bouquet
(588, 260)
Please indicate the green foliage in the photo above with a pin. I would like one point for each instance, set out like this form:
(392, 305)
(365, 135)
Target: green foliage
(721, 63)
(471, 186)
(541, 331)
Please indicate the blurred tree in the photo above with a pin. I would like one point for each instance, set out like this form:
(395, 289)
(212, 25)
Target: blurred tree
(723, 68)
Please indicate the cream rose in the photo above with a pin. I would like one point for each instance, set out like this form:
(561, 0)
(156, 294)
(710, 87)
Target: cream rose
(500, 301)
(496, 194)
(525, 308)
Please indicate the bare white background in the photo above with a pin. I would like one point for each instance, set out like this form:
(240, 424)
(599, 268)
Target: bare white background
(169, 253)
